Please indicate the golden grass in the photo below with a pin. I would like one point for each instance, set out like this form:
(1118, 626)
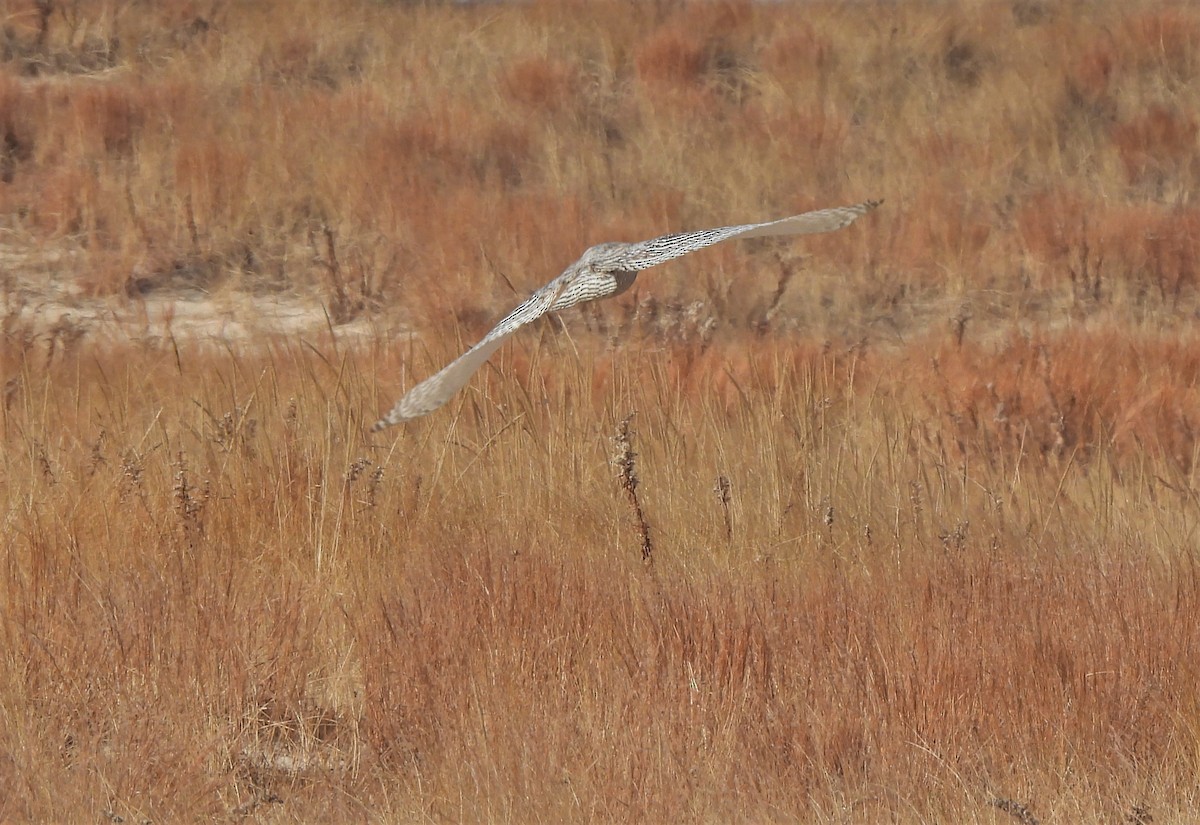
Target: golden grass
(903, 528)
(216, 590)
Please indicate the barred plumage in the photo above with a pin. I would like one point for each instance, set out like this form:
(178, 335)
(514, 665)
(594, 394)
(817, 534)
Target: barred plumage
(604, 270)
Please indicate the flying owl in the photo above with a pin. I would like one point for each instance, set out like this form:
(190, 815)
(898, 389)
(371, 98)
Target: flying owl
(603, 271)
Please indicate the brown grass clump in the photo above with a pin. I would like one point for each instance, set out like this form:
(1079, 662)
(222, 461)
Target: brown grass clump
(947, 568)
(540, 84)
(1158, 146)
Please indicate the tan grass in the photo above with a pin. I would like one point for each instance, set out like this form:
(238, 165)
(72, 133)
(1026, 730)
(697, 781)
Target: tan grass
(946, 573)
(212, 594)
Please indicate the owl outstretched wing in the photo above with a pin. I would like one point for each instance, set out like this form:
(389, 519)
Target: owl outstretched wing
(665, 248)
(438, 388)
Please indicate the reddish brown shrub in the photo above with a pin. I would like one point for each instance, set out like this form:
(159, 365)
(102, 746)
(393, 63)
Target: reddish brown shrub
(540, 83)
(1158, 145)
(1164, 38)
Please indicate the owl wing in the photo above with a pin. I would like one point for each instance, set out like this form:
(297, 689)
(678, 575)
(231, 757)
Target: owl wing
(639, 256)
(437, 389)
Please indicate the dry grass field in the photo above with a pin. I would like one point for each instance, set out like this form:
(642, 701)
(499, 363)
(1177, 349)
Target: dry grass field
(904, 525)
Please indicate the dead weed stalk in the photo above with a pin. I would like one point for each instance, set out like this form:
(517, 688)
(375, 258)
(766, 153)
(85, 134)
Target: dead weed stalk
(624, 459)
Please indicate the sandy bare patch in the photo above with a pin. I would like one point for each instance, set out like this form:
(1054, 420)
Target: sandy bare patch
(41, 295)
